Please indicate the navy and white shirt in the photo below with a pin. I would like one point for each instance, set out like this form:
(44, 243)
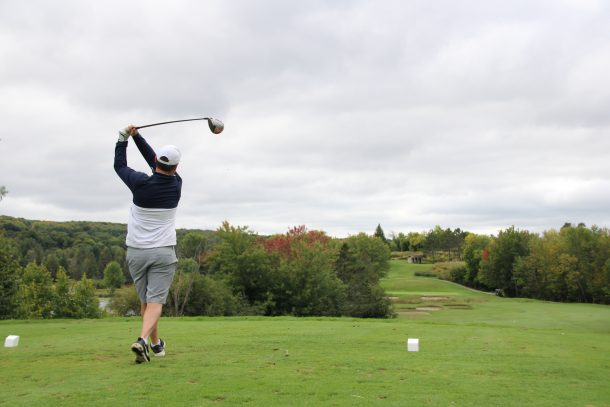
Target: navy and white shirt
(152, 216)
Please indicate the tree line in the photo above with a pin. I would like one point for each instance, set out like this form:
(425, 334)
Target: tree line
(301, 273)
(230, 271)
(438, 244)
(31, 292)
(570, 264)
(78, 247)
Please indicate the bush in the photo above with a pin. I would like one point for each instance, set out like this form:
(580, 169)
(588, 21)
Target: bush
(212, 297)
(9, 277)
(125, 302)
(450, 270)
(113, 276)
(426, 274)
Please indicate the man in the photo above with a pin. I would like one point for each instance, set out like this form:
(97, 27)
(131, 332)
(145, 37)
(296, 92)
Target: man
(151, 232)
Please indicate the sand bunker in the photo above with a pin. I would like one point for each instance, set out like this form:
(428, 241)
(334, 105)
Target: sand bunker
(434, 298)
(428, 308)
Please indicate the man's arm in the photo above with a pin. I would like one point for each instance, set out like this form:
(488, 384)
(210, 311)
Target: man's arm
(130, 177)
(147, 152)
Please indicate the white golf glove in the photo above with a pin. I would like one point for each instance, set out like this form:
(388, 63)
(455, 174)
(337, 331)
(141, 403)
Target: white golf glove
(126, 132)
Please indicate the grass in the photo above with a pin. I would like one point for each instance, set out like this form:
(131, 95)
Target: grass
(476, 350)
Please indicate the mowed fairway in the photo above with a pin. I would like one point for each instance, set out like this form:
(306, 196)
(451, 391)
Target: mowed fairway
(475, 350)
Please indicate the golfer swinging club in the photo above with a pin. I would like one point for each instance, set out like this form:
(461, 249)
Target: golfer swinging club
(151, 232)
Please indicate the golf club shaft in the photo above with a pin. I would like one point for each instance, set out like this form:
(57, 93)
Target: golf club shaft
(173, 121)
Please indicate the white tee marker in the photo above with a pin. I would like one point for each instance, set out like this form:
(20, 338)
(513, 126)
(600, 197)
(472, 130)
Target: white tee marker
(11, 341)
(413, 345)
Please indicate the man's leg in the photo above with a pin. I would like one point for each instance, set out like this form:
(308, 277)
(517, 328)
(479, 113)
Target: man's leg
(151, 313)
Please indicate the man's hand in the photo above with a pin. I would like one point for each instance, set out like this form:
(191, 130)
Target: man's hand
(126, 132)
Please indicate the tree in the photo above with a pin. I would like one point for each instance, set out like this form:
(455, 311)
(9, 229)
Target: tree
(51, 262)
(416, 241)
(186, 273)
(308, 284)
(9, 277)
(500, 257)
(64, 306)
(86, 302)
(379, 233)
(36, 293)
(193, 245)
(400, 241)
(360, 264)
(3, 192)
(472, 253)
(113, 276)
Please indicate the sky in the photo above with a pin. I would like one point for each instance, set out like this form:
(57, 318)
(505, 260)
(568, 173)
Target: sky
(339, 115)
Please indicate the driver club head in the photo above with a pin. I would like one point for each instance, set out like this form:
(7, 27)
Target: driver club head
(216, 126)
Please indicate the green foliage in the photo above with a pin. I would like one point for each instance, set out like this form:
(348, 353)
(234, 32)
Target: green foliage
(500, 258)
(113, 276)
(506, 352)
(571, 265)
(416, 241)
(64, 306)
(212, 296)
(298, 273)
(399, 242)
(78, 247)
(444, 244)
(36, 294)
(472, 255)
(125, 302)
(179, 293)
(361, 263)
(450, 270)
(39, 297)
(87, 303)
(9, 278)
(309, 285)
(196, 245)
(379, 233)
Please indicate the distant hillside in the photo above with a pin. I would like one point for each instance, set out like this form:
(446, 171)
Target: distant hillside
(78, 246)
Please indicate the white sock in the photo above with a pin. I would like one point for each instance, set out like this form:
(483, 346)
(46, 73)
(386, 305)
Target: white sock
(145, 341)
(155, 344)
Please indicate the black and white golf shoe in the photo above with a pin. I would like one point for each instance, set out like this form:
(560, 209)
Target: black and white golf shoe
(158, 350)
(141, 350)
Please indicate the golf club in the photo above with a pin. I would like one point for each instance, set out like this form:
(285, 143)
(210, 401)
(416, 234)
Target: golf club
(216, 126)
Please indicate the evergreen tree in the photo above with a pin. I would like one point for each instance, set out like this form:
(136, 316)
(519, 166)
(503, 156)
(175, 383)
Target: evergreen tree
(9, 278)
(379, 233)
(64, 306)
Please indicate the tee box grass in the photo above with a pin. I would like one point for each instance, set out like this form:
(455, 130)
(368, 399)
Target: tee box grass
(475, 350)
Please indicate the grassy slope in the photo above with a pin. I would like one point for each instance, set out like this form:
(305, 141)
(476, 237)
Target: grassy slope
(477, 350)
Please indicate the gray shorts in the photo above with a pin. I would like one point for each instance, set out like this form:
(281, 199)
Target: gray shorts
(152, 271)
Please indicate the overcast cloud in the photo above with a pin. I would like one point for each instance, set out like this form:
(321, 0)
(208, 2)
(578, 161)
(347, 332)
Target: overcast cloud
(339, 114)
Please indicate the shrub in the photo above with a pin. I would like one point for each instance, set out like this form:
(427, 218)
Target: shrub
(450, 270)
(212, 297)
(113, 276)
(125, 302)
(426, 274)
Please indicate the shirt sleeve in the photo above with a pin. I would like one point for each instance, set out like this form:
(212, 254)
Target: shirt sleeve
(146, 150)
(130, 177)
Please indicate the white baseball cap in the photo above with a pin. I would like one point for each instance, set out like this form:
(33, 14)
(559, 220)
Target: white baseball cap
(169, 155)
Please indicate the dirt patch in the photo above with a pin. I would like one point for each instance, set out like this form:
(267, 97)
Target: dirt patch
(413, 313)
(393, 298)
(434, 298)
(428, 308)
